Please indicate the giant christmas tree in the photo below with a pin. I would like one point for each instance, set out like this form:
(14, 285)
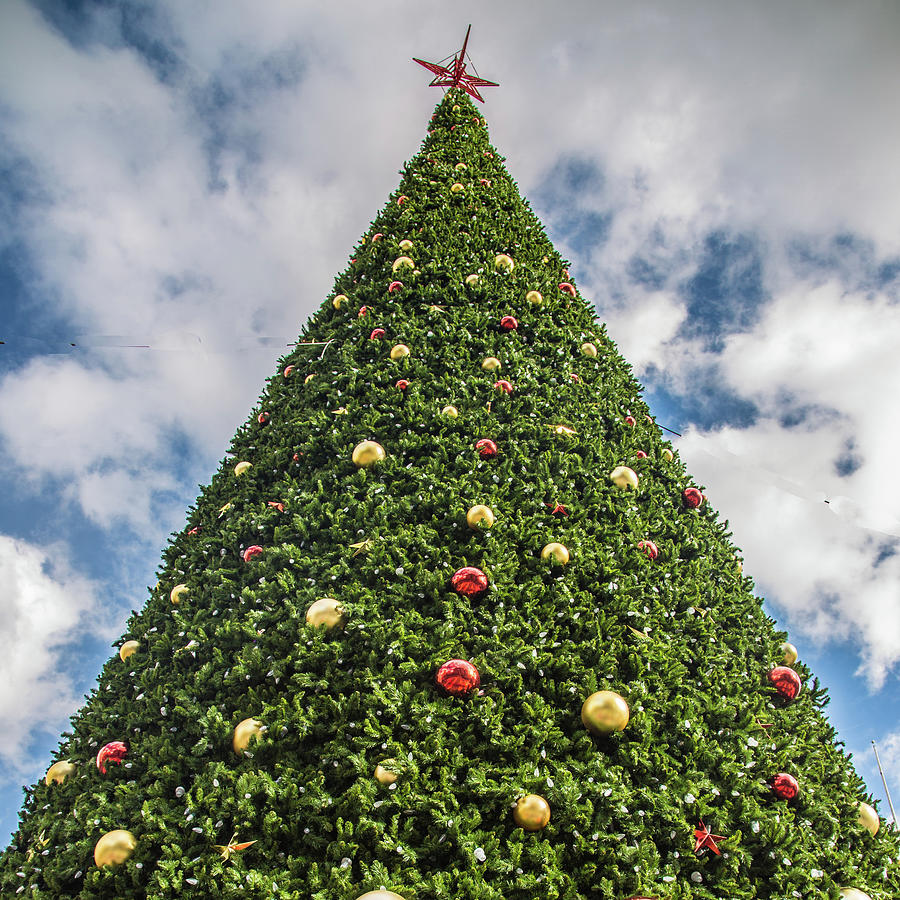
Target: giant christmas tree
(451, 621)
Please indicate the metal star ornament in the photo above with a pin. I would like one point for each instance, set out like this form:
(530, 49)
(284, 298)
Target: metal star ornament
(454, 75)
(706, 841)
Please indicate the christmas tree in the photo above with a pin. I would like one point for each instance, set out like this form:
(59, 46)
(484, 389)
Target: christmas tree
(452, 621)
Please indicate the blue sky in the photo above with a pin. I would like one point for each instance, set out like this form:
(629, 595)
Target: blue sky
(190, 176)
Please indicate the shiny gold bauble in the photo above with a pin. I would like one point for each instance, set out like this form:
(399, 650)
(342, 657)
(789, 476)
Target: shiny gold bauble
(129, 648)
(531, 812)
(60, 771)
(491, 364)
(668, 455)
(402, 262)
(384, 772)
(503, 263)
(450, 411)
(242, 468)
(471, 279)
(114, 847)
(604, 712)
(850, 893)
(246, 731)
(367, 453)
(555, 553)
(589, 349)
(339, 301)
(379, 895)
(179, 593)
(399, 351)
(480, 517)
(868, 818)
(625, 478)
(534, 297)
(456, 187)
(789, 654)
(406, 245)
(327, 612)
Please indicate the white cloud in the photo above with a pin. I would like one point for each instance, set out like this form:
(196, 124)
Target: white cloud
(44, 605)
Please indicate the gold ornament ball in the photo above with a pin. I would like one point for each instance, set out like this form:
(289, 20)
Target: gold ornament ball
(242, 468)
(531, 812)
(399, 351)
(503, 263)
(556, 554)
(326, 611)
(472, 279)
(114, 847)
(491, 364)
(379, 895)
(402, 262)
(339, 301)
(604, 712)
(480, 517)
(868, 818)
(623, 477)
(456, 187)
(246, 731)
(129, 648)
(668, 455)
(589, 349)
(178, 593)
(58, 772)
(850, 893)
(534, 297)
(367, 453)
(406, 245)
(384, 772)
(789, 654)
(450, 411)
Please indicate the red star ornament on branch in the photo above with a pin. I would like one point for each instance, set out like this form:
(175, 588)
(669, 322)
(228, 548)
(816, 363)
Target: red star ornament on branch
(706, 841)
(454, 74)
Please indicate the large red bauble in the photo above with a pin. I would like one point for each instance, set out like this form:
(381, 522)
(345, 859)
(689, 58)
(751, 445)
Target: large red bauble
(113, 752)
(503, 387)
(509, 323)
(785, 786)
(376, 334)
(458, 677)
(469, 582)
(252, 552)
(486, 448)
(649, 548)
(402, 384)
(692, 497)
(786, 681)
(263, 417)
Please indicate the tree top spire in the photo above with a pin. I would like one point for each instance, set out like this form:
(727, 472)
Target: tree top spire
(453, 74)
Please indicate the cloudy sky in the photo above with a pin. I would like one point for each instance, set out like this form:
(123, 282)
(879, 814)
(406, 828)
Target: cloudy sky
(190, 176)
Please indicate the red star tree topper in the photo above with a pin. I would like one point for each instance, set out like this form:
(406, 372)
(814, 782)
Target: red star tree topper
(454, 74)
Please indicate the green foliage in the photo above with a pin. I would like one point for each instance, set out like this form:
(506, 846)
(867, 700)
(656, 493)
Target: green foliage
(682, 637)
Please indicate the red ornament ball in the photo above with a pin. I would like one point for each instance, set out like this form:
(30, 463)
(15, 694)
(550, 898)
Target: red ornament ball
(363, 311)
(649, 548)
(394, 286)
(567, 288)
(287, 371)
(786, 681)
(503, 387)
(458, 677)
(113, 752)
(640, 454)
(377, 334)
(692, 497)
(486, 448)
(402, 384)
(469, 582)
(252, 552)
(629, 421)
(785, 786)
(263, 417)
(509, 323)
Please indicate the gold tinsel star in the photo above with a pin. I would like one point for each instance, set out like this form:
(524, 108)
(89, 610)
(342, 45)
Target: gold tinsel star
(224, 509)
(435, 308)
(340, 411)
(40, 841)
(232, 847)
(362, 546)
(563, 429)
